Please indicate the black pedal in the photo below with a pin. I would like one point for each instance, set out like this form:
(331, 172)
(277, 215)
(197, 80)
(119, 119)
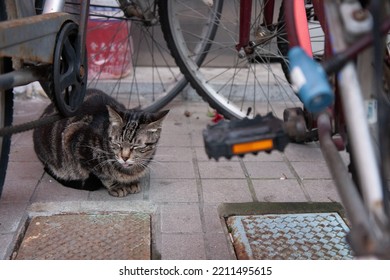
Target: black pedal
(240, 137)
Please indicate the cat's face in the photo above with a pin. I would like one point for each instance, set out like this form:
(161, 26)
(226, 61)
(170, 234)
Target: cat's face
(133, 138)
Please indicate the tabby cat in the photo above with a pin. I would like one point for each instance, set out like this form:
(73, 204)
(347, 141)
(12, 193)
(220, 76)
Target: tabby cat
(104, 145)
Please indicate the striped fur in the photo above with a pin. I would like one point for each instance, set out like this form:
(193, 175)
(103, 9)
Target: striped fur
(104, 145)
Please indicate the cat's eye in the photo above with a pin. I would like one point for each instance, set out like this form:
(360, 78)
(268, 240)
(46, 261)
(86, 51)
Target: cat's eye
(143, 148)
(116, 145)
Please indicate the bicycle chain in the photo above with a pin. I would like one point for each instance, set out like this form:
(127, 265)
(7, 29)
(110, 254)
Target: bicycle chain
(13, 129)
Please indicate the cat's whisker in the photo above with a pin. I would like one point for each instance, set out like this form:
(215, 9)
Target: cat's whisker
(103, 163)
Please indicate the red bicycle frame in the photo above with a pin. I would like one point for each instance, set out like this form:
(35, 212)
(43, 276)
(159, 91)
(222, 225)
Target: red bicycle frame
(301, 25)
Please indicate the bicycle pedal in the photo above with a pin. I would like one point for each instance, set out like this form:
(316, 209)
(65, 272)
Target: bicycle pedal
(240, 137)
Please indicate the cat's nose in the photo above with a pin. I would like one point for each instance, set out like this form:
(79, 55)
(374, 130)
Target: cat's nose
(125, 158)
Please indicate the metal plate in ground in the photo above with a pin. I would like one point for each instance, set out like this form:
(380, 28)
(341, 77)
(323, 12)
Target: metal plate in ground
(289, 236)
(87, 237)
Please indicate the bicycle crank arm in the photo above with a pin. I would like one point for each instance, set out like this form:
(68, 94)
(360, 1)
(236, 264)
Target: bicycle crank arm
(240, 137)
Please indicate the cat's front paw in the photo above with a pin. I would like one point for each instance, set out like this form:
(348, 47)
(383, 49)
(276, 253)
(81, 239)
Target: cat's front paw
(123, 191)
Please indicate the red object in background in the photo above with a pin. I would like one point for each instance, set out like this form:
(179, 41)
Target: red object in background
(109, 48)
(217, 117)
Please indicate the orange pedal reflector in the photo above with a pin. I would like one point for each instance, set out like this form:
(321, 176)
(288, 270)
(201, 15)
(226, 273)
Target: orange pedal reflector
(255, 146)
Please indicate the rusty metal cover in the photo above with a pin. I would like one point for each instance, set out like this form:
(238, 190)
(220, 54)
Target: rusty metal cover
(87, 237)
(290, 236)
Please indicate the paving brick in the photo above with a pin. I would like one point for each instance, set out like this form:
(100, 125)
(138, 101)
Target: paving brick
(169, 139)
(217, 247)
(23, 154)
(172, 170)
(212, 220)
(183, 247)
(180, 218)
(24, 170)
(310, 170)
(173, 190)
(278, 190)
(11, 215)
(213, 169)
(268, 170)
(221, 190)
(5, 241)
(51, 190)
(307, 152)
(321, 190)
(18, 190)
(166, 154)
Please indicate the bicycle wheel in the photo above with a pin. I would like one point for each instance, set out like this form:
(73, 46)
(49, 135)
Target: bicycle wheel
(235, 86)
(127, 55)
(6, 111)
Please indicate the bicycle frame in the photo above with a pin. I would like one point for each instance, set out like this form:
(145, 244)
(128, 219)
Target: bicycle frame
(367, 213)
(245, 23)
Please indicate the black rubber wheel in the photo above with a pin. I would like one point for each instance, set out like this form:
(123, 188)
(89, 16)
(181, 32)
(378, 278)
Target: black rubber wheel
(69, 71)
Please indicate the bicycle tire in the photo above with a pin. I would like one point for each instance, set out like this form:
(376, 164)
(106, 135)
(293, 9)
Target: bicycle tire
(215, 80)
(6, 111)
(128, 58)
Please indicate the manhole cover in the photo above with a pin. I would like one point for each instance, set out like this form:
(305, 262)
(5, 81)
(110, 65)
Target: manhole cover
(290, 236)
(87, 237)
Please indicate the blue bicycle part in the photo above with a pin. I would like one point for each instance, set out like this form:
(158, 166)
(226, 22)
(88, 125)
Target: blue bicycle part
(310, 81)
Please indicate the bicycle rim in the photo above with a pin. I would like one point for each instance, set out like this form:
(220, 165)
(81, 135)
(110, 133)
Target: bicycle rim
(128, 58)
(236, 87)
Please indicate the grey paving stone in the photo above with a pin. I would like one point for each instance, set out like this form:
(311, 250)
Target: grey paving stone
(11, 216)
(214, 170)
(212, 220)
(22, 139)
(173, 170)
(321, 190)
(22, 154)
(217, 247)
(268, 170)
(217, 191)
(18, 190)
(5, 241)
(164, 154)
(308, 152)
(312, 170)
(50, 190)
(24, 171)
(173, 190)
(197, 138)
(169, 139)
(278, 190)
(183, 247)
(180, 218)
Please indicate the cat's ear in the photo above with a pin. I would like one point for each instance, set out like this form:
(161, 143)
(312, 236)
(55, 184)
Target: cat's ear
(114, 117)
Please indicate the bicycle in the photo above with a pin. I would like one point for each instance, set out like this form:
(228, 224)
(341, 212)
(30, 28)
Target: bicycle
(337, 109)
(132, 56)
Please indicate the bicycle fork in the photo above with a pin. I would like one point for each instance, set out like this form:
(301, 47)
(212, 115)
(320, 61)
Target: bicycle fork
(245, 46)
